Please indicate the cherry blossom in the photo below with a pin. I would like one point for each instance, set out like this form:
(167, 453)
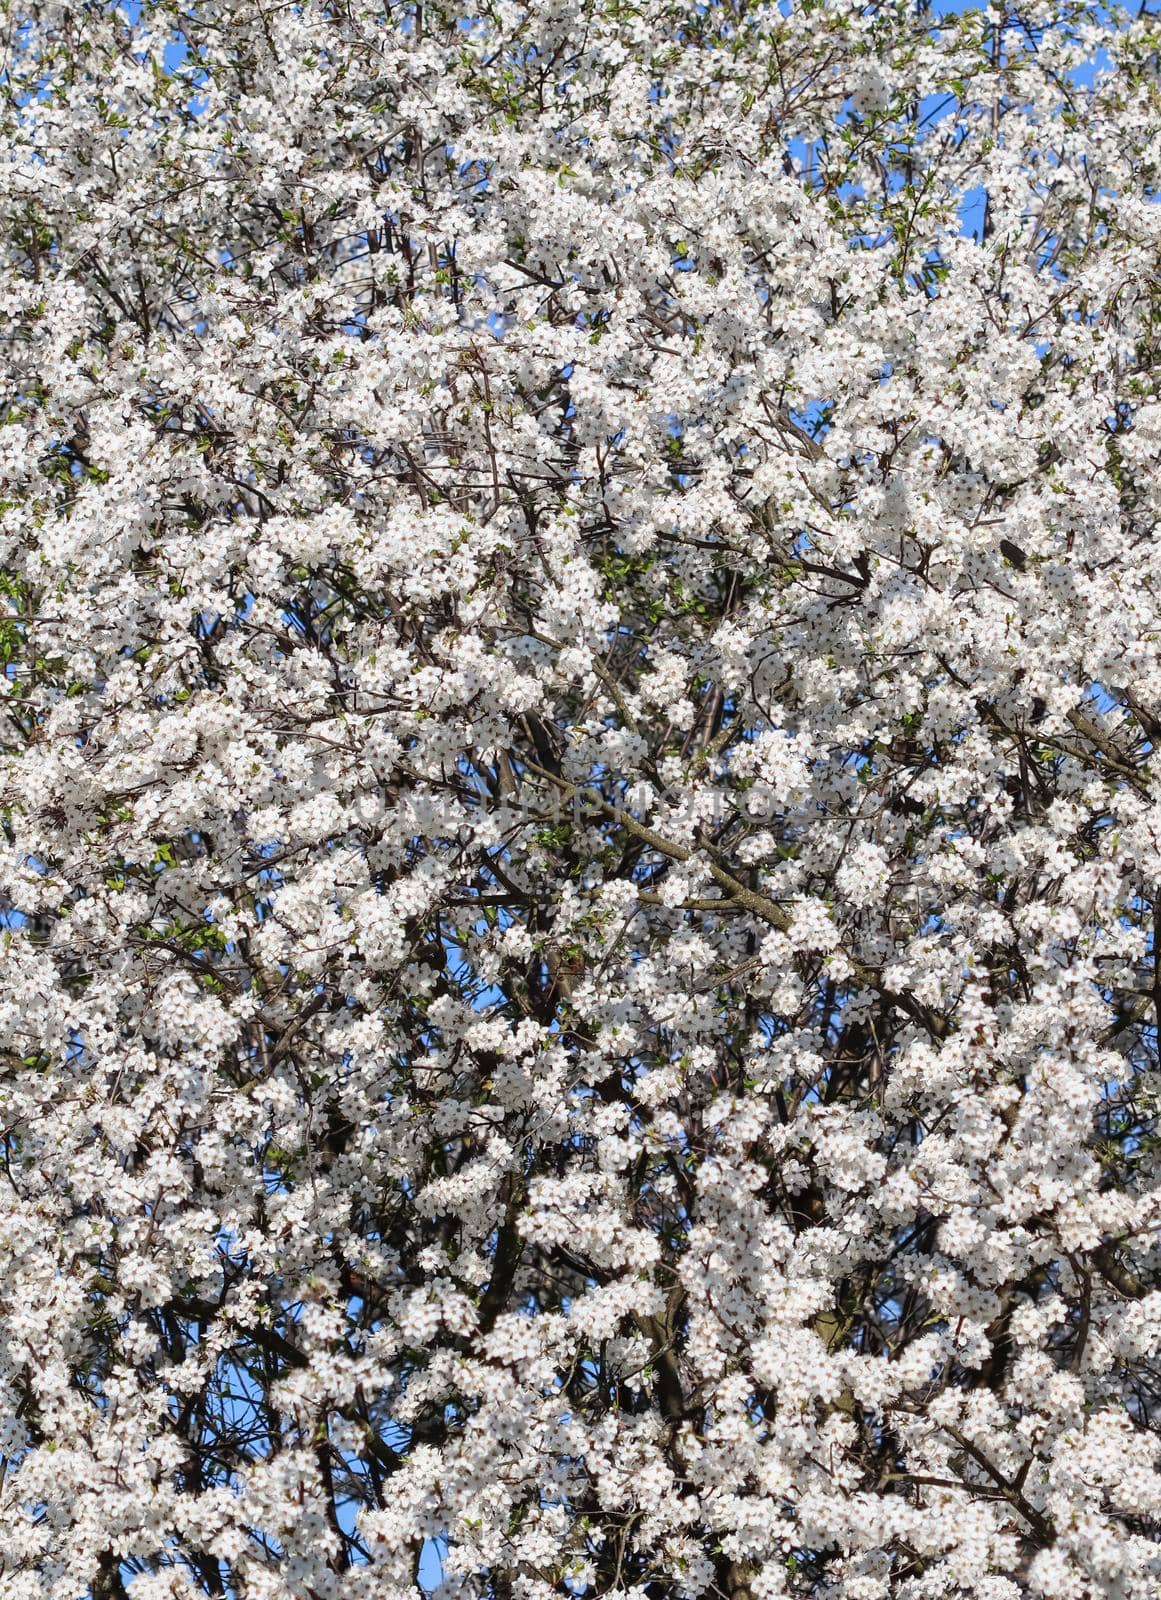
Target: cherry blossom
(580, 853)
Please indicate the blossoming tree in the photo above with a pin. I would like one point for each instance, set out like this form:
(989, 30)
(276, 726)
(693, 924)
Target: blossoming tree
(581, 613)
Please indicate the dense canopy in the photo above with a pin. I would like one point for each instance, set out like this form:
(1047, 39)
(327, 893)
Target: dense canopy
(581, 856)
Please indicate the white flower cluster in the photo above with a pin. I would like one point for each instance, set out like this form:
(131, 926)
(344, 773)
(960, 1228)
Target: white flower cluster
(581, 832)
